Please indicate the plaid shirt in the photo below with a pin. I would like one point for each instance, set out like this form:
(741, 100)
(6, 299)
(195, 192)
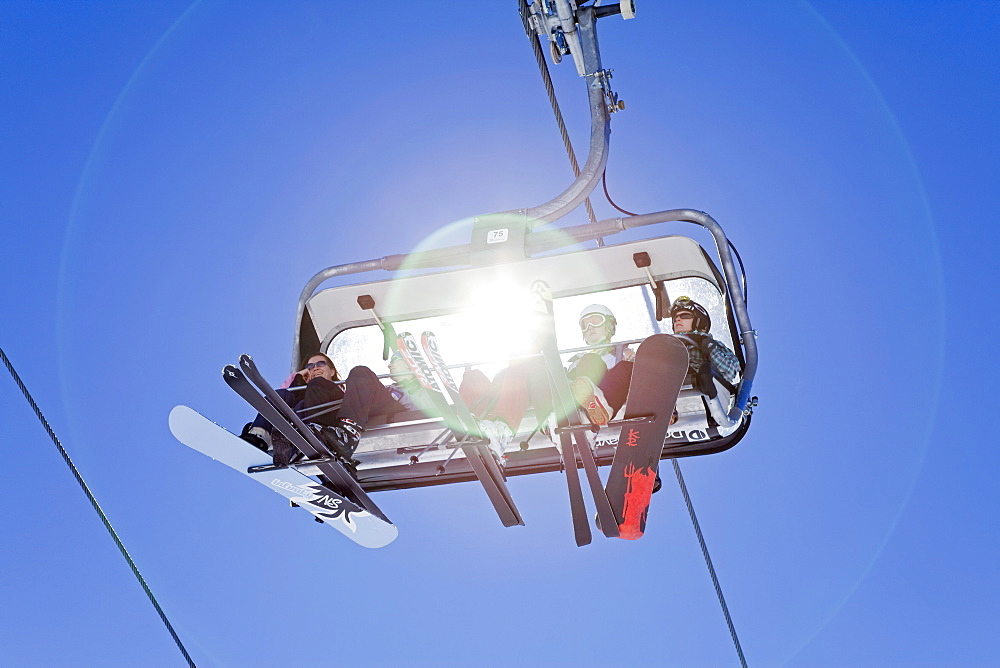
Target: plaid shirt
(721, 358)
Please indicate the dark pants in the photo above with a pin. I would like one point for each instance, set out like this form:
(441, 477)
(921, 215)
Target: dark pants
(318, 391)
(366, 396)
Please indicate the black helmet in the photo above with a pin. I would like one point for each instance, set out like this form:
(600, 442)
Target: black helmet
(702, 321)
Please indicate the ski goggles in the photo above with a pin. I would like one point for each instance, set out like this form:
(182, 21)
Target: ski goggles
(315, 365)
(592, 320)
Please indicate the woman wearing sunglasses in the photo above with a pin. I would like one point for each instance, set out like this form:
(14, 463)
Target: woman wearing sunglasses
(360, 396)
(318, 378)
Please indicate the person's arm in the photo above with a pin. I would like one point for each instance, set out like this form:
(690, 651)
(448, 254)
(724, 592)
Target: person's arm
(722, 359)
(401, 394)
(291, 379)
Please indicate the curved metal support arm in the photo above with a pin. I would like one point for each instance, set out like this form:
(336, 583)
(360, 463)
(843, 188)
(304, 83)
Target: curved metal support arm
(590, 173)
(600, 131)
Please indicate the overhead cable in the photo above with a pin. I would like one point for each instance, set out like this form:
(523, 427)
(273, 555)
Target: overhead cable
(708, 561)
(97, 507)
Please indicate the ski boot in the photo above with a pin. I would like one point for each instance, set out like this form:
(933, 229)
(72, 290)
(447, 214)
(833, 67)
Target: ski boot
(591, 399)
(500, 435)
(258, 437)
(283, 452)
(342, 439)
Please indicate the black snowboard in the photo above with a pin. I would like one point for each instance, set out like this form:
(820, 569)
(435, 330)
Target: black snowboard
(661, 364)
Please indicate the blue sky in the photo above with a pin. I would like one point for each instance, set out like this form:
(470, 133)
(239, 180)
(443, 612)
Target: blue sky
(173, 173)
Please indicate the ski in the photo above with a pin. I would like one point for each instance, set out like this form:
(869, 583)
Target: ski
(605, 513)
(566, 411)
(510, 515)
(407, 347)
(283, 418)
(661, 363)
(428, 342)
(327, 505)
(481, 462)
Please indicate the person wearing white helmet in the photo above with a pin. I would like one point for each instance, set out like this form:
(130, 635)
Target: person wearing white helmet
(600, 378)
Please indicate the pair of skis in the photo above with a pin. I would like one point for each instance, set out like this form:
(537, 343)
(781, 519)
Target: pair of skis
(424, 365)
(572, 432)
(659, 368)
(356, 515)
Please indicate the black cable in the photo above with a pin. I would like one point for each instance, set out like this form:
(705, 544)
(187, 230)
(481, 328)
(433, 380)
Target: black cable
(93, 502)
(604, 181)
(743, 271)
(708, 561)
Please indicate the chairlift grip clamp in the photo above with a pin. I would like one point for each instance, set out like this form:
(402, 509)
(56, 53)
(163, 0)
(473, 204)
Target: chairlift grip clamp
(602, 78)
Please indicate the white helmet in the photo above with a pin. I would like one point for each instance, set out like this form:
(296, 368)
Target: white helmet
(600, 309)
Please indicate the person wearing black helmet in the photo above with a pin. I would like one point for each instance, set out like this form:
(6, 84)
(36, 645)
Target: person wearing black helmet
(708, 358)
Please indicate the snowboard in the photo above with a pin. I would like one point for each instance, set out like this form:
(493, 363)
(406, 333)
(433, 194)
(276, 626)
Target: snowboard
(660, 366)
(201, 434)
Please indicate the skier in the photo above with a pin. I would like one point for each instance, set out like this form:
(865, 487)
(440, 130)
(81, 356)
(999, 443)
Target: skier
(311, 386)
(600, 385)
(600, 380)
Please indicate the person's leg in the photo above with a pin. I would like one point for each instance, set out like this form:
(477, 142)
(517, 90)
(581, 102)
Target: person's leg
(615, 385)
(590, 365)
(513, 387)
(366, 396)
(289, 397)
(318, 392)
(516, 387)
(586, 378)
(282, 450)
(476, 390)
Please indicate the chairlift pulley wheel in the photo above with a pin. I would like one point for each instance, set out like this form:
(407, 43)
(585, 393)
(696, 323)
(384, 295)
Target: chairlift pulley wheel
(555, 53)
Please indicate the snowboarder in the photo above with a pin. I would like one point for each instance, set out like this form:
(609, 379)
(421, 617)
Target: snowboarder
(691, 324)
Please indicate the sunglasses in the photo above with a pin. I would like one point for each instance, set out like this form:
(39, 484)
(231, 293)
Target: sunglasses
(592, 320)
(684, 316)
(316, 365)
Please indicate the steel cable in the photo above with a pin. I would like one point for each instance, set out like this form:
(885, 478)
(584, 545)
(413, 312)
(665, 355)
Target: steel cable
(708, 561)
(97, 507)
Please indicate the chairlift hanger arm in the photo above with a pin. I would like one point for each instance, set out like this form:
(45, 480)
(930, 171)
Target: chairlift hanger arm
(586, 54)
